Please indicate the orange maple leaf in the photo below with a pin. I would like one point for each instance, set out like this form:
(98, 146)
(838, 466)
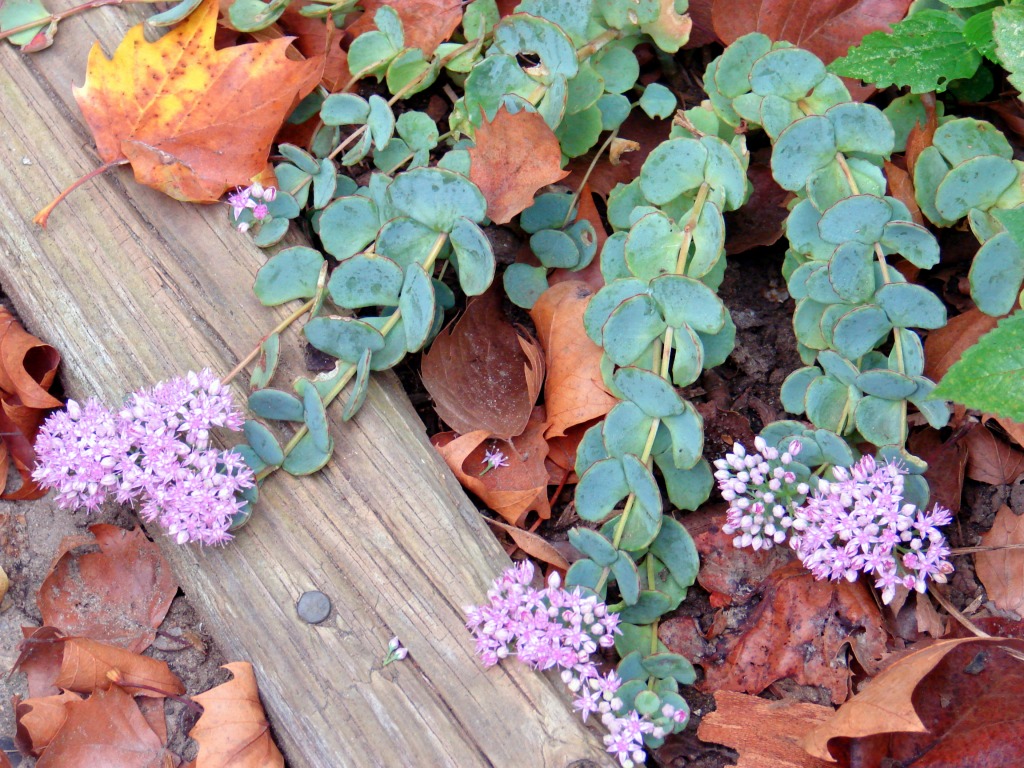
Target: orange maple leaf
(515, 155)
(193, 121)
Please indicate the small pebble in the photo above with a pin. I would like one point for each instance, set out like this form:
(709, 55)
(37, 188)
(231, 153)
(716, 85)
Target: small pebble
(314, 607)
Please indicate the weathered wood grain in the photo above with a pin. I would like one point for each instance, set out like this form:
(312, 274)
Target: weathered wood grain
(133, 287)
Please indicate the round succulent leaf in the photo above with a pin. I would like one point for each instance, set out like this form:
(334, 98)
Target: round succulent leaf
(642, 484)
(417, 306)
(522, 33)
(263, 443)
(417, 130)
(794, 388)
(307, 457)
(686, 488)
(860, 218)
(314, 415)
(686, 432)
(687, 356)
(829, 92)
(590, 449)
(360, 386)
(787, 72)
(524, 285)
(834, 449)
(291, 274)
(630, 329)
(675, 548)
(639, 529)
(936, 412)
(797, 282)
(807, 323)
(600, 489)
(652, 246)
(718, 346)
(583, 90)
(276, 405)
(731, 75)
(404, 241)
(270, 232)
(863, 128)
(625, 430)
(622, 201)
(673, 168)
(409, 66)
(605, 301)
(827, 186)
(436, 198)
(708, 241)
(725, 171)
(588, 575)
(291, 178)
(592, 544)
(912, 241)
(614, 108)
(647, 703)
(775, 114)
(578, 133)
(670, 665)
(965, 138)
(886, 384)
(826, 402)
(301, 159)
(618, 67)
(802, 232)
(475, 257)
(488, 83)
(912, 352)
(250, 457)
(266, 363)
(974, 183)
(838, 367)
(650, 606)
(801, 149)
(651, 393)
(685, 300)
(881, 421)
(996, 275)
(832, 314)
(657, 101)
(344, 109)
(860, 330)
(549, 211)
(909, 305)
(394, 343)
(819, 286)
(366, 280)
(555, 249)
(851, 271)
(929, 171)
(343, 337)
(348, 225)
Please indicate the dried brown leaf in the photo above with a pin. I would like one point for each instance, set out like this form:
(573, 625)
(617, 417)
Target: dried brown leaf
(118, 595)
(233, 731)
(38, 720)
(40, 657)
(514, 156)
(767, 734)
(759, 221)
(947, 463)
(944, 346)
(89, 666)
(426, 23)
(901, 186)
(1002, 571)
(991, 460)
(483, 373)
(534, 545)
(920, 136)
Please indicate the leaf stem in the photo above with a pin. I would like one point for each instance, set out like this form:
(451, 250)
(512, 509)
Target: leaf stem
(43, 215)
(586, 176)
(54, 18)
(279, 328)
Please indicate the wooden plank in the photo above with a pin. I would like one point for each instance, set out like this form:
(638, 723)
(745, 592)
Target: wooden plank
(133, 287)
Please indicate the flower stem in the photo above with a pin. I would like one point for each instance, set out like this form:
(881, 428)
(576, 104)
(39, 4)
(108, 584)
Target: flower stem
(279, 328)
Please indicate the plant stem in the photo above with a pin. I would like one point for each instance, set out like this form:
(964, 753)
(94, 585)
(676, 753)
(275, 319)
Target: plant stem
(350, 372)
(43, 215)
(597, 44)
(586, 176)
(54, 18)
(279, 328)
(666, 356)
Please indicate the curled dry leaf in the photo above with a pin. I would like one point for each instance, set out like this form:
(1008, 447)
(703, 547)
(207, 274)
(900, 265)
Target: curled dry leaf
(38, 720)
(89, 666)
(574, 391)
(1002, 570)
(193, 121)
(40, 657)
(921, 135)
(991, 460)
(800, 630)
(767, 734)
(827, 28)
(118, 595)
(953, 703)
(108, 730)
(483, 373)
(947, 463)
(233, 731)
(315, 38)
(901, 186)
(944, 346)
(532, 544)
(514, 156)
(27, 370)
(512, 491)
(426, 23)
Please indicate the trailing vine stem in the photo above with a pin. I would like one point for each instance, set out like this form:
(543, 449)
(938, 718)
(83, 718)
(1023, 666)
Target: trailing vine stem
(279, 328)
(349, 372)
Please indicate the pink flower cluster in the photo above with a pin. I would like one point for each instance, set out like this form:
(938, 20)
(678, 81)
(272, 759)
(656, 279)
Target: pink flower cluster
(554, 627)
(254, 198)
(762, 492)
(858, 523)
(154, 451)
(855, 524)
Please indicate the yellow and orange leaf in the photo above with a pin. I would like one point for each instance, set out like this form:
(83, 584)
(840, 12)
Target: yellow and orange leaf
(193, 121)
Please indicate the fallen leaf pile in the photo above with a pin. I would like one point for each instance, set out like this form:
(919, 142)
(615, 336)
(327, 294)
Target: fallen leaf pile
(94, 699)
(27, 371)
